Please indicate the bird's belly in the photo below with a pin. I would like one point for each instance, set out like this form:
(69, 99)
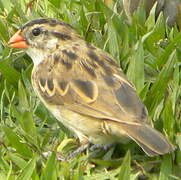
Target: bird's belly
(84, 127)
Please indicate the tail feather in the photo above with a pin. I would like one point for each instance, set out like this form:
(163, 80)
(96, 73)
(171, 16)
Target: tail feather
(150, 140)
(147, 150)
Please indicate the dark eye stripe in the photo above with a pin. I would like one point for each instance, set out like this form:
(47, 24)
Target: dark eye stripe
(60, 35)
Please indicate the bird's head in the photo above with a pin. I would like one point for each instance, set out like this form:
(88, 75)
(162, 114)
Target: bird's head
(41, 37)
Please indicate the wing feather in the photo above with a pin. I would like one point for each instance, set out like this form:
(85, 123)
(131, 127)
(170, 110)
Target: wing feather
(92, 85)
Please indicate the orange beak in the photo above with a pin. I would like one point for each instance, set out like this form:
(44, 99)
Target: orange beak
(17, 41)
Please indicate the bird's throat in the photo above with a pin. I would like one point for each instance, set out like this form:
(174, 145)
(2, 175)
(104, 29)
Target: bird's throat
(37, 55)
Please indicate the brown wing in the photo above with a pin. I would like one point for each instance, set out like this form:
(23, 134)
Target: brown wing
(89, 82)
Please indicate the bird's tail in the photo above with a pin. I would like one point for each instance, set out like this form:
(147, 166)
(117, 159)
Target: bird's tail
(150, 140)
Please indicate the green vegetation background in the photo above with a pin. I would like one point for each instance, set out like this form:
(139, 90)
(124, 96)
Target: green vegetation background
(150, 55)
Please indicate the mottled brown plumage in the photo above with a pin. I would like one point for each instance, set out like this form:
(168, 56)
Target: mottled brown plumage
(85, 89)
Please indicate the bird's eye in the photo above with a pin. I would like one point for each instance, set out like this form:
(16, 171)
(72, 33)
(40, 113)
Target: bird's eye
(36, 31)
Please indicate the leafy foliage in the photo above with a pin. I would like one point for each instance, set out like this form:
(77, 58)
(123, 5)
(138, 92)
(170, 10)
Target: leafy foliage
(148, 52)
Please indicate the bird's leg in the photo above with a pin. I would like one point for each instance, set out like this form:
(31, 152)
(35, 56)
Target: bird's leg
(80, 149)
(98, 146)
(84, 144)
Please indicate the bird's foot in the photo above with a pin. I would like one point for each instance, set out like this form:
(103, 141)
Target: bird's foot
(78, 151)
(58, 156)
(99, 146)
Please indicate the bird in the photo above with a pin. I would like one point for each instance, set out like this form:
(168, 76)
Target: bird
(85, 89)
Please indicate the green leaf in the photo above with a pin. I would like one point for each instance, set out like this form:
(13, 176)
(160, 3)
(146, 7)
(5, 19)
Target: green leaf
(16, 142)
(49, 173)
(11, 75)
(9, 172)
(157, 90)
(26, 121)
(152, 37)
(166, 168)
(23, 100)
(125, 170)
(168, 50)
(3, 31)
(150, 22)
(113, 40)
(28, 170)
(107, 163)
(56, 3)
(21, 163)
(136, 67)
(168, 117)
(178, 139)
(28, 124)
